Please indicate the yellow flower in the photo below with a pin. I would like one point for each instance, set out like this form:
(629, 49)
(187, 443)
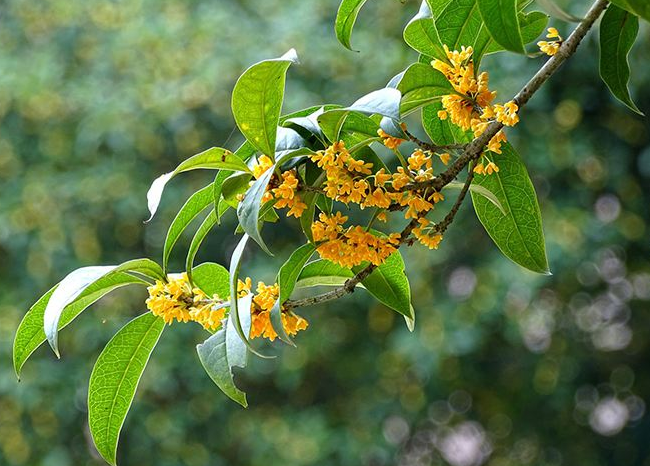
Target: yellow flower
(263, 163)
(553, 34)
(549, 48)
(444, 158)
(263, 303)
(388, 140)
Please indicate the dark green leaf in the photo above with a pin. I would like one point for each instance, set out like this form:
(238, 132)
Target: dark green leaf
(287, 277)
(518, 234)
(257, 101)
(618, 31)
(640, 8)
(115, 379)
(460, 23)
(441, 131)
(502, 21)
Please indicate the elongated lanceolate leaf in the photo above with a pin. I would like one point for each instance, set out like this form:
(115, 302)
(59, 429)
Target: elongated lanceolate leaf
(74, 284)
(383, 102)
(618, 31)
(30, 334)
(115, 379)
(235, 265)
(518, 234)
(197, 240)
(478, 189)
(197, 203)
(287, 277)
(345, 19)
(214, 158)
(257, 101)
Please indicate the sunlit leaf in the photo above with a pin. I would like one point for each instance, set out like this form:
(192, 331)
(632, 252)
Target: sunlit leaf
(30, 334)
(115, 378)
(345, 19)
(421, 85)
(74, 284)
(422, 35)
(257, 101)
(214, 158)
(197, 239)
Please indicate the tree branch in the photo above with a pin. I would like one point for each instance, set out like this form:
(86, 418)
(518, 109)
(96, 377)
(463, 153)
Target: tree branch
(472, 152)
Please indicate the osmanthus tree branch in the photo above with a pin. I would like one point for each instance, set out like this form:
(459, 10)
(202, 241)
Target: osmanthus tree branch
(471, 152)
(475, 148)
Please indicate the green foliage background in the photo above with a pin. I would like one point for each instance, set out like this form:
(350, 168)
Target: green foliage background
(97, 98)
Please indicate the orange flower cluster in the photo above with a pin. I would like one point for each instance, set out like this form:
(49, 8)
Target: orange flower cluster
(178, 300)
(471, 106)
(350, 180)
(263, 302)
(285, 192)
(350, 246)
(426, 235)
(388, 140)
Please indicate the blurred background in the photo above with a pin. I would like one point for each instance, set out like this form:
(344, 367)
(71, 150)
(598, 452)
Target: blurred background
(97, 98)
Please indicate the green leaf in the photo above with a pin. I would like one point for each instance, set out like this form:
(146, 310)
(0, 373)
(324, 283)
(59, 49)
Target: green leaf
(287, 277)
(235, 265)
(346, 16)
(640, 8)
(460, 23)
(248, 210)
(198, 238)
(225, 350)
(337, 121)
(74, 284)
(437, 6)
(502, 21)
(441, 131)
(217, 189)
(233, 186)
(322, 273)
(212, 279)
(389, 284)
(618, 31)
(478, 189)
(257, 101)
(30, 334)
(197, 203)
(214, 158)
(422, 85)
(422, 35)
(115, 378)
(518, 234)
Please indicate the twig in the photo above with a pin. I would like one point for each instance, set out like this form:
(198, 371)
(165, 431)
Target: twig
(472, 152)
(433, 147)
(475, 148)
